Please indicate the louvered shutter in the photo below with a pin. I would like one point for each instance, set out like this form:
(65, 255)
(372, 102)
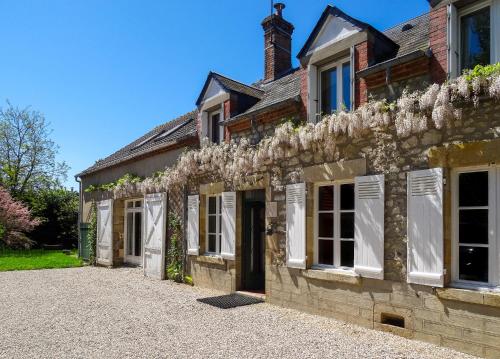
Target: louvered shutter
(425, 227)
(313, 94)
(228, 225)
(204, 124)
(495, 16)
(155, 229)
(221, 127)
(104, 246)
(369, 227)
(296, 225)
(193, 225)
(453, 45)
(353, 77)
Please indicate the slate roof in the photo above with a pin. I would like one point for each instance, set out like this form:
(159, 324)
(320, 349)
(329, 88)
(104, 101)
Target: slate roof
(415, 38)
(161, 136)
(281, 90)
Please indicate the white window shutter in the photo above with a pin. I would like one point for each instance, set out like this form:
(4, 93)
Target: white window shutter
(353, 77)
(228, 225)
(425, 227)
(204, 124)
(104, 245)
(453, 45)
(155, 230)
(296, 225)
(221, 127)
(313, 101)
(193, 224)
(369, 227)
(495, 31)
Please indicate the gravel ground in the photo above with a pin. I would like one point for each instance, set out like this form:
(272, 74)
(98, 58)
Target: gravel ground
(115, 313)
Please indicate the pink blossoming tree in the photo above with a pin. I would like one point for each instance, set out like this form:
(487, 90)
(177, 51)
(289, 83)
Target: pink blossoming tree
(15, 221)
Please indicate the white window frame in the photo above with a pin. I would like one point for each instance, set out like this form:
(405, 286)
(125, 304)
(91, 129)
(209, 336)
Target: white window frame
(218, 224)
(340, 93)
(130, 258)
(493, 224)
(336, 225)
(210, 127)
(467, 11)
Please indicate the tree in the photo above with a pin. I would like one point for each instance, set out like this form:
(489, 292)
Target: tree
(27, 154)
(15, 221)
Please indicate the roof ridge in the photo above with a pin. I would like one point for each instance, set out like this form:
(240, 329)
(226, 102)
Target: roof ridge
(239, 82)
(406, 21)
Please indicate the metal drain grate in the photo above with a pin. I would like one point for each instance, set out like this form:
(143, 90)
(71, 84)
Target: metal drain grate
(230, 301)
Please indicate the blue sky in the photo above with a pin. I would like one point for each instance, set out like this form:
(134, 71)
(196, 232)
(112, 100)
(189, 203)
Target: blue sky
(105, 72)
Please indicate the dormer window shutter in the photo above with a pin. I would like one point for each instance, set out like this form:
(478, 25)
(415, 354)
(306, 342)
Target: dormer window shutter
(369, 227)
(296, 225)
(452, 39)
(193, 225)
(353, 77)
(313, 100)
(204, 124)
(425, 227)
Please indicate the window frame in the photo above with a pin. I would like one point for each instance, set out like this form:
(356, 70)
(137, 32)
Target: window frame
(218, 224)
(338, 64)
(211, 128)
(493, 227)
(127, 210)
(337, 240)
(467, 11)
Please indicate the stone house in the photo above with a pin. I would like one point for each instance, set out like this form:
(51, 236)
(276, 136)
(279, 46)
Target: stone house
(389, 231)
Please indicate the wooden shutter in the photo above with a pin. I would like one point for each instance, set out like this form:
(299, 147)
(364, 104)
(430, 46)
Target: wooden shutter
(453, 45)
(369, 227)
(313, 93)
(296, 225)
(425, 227)
(104, 245)
(353, 77)
(228, 225)
(221, 127)
(193, 225)
(155, 229)
(204, 124)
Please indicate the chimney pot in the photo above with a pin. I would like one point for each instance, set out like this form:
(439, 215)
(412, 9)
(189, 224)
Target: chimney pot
(279, 8)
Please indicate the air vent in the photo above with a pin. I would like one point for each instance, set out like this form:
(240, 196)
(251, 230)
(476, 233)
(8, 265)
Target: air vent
(369, 190)
(407, 27)
(424, 185)
(393, 320)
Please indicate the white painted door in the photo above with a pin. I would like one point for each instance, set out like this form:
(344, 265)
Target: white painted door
(155, 233)
(104, 245)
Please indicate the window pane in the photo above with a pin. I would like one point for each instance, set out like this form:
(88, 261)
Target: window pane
(212, 205)
(130, 204)
(220, 204)
(473, 189)
(347, 225)
(138, 204)
(215, 128)
(130, 232)
(325, 252)
(347, 196)
(347, 253)
(346, 85)
(473, 226)
(473, 264)
(325, 198)
(212, 224)
(329, 91)
(212, 243)
(475, 39)
(138, 233)
(325, 225)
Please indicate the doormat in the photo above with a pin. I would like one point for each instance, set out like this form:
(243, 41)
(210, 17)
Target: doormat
(230, 301)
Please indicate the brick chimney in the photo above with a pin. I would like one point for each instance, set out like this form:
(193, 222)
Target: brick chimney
(277, 44)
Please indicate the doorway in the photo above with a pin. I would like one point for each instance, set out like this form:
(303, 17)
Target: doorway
(133, 231)
(253, 241)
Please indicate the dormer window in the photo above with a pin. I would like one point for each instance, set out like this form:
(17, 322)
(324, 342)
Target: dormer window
(475, 37)
(335, 87)
(214, 126)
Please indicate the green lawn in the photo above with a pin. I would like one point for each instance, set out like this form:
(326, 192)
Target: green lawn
(36, 259)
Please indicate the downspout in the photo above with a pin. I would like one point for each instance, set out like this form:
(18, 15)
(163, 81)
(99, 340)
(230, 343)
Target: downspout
(80, 209)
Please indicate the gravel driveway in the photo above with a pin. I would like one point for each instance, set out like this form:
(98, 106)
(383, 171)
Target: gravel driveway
(114, 313)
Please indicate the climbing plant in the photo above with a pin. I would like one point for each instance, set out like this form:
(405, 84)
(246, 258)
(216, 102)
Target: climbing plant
(92, 234)
(175, 270)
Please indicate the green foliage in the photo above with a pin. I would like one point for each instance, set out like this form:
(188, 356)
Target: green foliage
(482, 71)
(2, 232)
(296, 122)
(127, 178)
(188, 280)
(36, 259)
(175, 270)
(92, 234)
(57, 209)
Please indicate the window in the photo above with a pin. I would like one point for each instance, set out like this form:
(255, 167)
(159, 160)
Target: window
(334, 225)
(475, 236)
(133, 231)
(335, 87)
(476, 36)
(214, 218)
(214, 128)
